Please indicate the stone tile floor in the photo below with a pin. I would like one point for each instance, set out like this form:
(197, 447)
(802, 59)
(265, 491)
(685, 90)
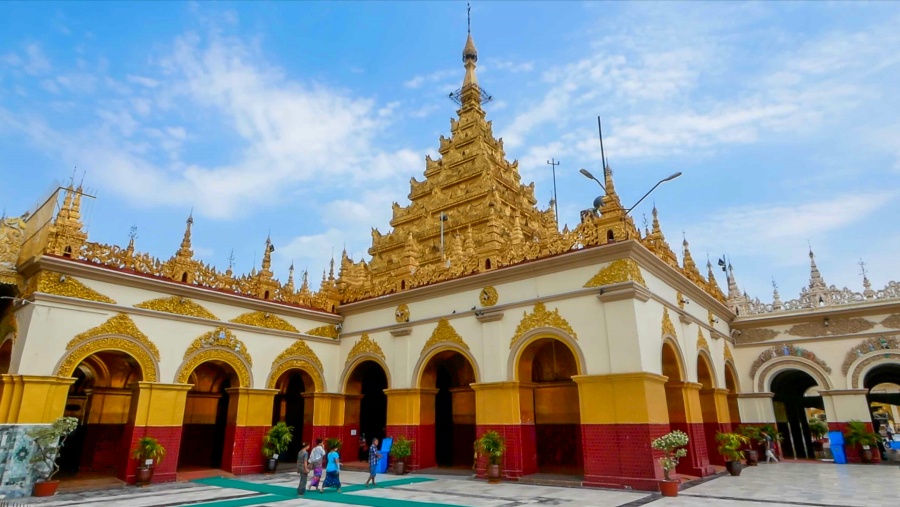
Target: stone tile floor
(781, 485)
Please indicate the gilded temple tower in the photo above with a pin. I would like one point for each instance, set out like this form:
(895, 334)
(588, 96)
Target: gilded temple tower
(468, 210)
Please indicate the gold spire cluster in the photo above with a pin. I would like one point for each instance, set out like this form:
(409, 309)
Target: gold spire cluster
(68, 239)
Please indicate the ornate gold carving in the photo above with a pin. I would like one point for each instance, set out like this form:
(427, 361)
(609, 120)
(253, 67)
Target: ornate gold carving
(177, 305)
(49, 282)
(401, 314)
(12, 233)
(327, 331)
(219, 338)
(711, 318)
(679, 297)
(874, 344)
(296, 364)
(622, 270)
(892, 322)
(541, 317)
(786, 350)
(226, 356)
(829, 327)
(264, 319)
(128, 345)
(444, 333)
(756, 335)
(365, 345)
(668, 329)
(702, 344)
(120, 325)
(488, 296)
(299, 350)
(727, 354)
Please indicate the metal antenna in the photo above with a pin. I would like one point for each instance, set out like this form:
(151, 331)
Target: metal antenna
(602, 152)
(469, 17)
(553, 162)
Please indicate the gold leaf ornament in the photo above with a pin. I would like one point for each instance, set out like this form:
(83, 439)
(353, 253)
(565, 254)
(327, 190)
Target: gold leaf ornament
(119, 325)
(540, 317)
(618, 271)
(50, 282)
(401, 314)
(488, 296)
(177, 305)
(444, 333)
(365, 345)
(668, 329)
(219, 338)
(266, 320)
(327, 331)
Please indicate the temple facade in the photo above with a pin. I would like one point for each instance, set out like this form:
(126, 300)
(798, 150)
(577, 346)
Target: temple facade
(473, 313)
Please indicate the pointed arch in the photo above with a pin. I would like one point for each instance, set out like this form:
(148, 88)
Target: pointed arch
(675, 359)
(705, 359)
(127, 345)
(430, 352)
(533, 335)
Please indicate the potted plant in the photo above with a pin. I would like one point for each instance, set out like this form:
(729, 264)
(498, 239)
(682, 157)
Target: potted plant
(858, 435)
(672, 447)
(275, 442)
(333, 444)
(401, 450)
(818, 429)
(48, 440)
(492, 446)
(730, 448)
(754, 437)
(148, 452)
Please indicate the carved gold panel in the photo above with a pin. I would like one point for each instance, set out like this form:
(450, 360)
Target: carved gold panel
(299, 350)
(365, 345)
(401, 314)
(541, 317)
(488, 296)
(327, 331)
(177, 305)
(127, 345)
(50, 282)
(444, 333)
(264, 319)
(622, 270)
(668, 329)
(221, 338)
(214, 354)
(121, 325)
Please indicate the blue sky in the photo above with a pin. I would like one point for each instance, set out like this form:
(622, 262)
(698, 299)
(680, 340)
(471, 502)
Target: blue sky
(308, 119)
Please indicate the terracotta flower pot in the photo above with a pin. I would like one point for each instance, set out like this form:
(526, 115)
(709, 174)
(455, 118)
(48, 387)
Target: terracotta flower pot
(866, 455)
(734, 467)
(45, 488)
(399, 468)
(144, 475)
(752, 457)
(493, 473)
(669, 487)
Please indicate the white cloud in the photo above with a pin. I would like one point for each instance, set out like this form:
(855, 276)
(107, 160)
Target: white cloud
(511, 66)
(287, 132)
(434, 77)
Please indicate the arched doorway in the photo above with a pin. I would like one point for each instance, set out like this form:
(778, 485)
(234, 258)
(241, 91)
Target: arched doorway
(100, 399)
(549, 364)
(365, 412)
(883, 383)
(795, 393)
(206, 416)
(451, 373)
(731, 383)
(294, 407)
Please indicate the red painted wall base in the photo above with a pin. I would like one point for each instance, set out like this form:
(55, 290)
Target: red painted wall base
(168, 436)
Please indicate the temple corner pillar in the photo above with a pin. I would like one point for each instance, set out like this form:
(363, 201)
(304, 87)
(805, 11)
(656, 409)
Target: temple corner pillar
(621, 414)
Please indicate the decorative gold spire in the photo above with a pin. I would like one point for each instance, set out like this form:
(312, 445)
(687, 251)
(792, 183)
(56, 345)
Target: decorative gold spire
(67, 231)
(690, 267)
(656, 242)
(185, 250)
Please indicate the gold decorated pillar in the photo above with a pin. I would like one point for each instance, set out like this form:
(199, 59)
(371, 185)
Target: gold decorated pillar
(686, 414)
(157, 411)
(508, 408)
(327, 415)
(410, 413)
(30, 399)
(249, 418)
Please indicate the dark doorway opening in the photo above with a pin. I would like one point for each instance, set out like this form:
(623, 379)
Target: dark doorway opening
(791, 388)
(206, 416)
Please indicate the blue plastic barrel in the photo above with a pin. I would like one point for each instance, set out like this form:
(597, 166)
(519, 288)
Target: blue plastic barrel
(836, 438)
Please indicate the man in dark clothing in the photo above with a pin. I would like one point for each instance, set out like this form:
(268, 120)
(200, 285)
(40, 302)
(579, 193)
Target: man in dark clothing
(303, 468)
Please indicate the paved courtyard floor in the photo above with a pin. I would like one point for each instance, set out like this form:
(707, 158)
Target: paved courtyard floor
(781, 485)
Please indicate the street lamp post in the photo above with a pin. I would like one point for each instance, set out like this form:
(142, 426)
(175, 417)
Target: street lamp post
(587, 174)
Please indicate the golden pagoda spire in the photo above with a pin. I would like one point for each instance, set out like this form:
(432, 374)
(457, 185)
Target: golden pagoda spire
(267, 255)
(689, 267)
(67, 231)
(185, 250)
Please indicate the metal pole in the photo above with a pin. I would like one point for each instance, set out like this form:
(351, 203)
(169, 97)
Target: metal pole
(553, 163)
(443, 217)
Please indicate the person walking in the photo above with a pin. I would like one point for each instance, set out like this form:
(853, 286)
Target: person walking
(374, 456)
(315, 460)
(332, 471)
(303, 467)
(770, 448)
